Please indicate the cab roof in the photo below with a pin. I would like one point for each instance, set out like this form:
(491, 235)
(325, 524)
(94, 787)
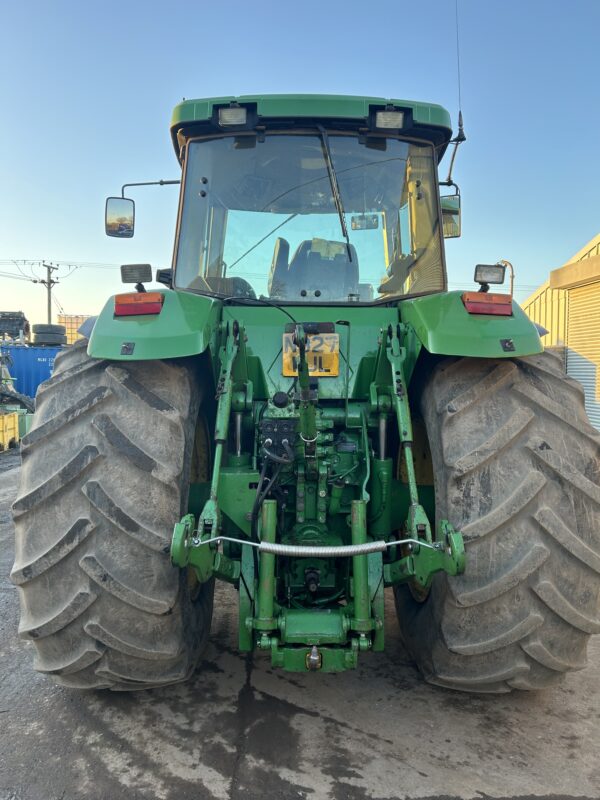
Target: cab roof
(422, 120)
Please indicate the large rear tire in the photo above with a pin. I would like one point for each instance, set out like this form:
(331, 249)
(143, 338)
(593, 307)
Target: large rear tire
(517, 470)
(105, 475)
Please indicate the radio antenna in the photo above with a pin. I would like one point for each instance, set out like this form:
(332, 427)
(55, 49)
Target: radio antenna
(460, 136)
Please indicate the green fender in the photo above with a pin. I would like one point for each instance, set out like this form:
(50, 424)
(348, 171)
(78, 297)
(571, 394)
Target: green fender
(188, 324)
(184, 327)
(443, 326)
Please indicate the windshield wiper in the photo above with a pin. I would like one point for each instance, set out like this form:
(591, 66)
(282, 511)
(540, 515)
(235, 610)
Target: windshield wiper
(337, 199)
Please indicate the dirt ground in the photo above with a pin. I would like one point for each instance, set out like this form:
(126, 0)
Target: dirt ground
(242, 730)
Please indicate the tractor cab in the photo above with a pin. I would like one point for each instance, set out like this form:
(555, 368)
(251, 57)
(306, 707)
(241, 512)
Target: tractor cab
(303, 212)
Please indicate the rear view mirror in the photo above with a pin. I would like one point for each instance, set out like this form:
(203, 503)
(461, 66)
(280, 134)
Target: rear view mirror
(119, 218)
(364, 222)
(451, 216)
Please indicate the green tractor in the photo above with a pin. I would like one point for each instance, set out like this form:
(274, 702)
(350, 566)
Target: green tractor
(307, 413)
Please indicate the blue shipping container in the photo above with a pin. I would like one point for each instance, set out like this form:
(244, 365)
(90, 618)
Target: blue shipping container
(31, 366)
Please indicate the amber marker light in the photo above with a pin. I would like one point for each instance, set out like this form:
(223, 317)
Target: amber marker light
(138, 303)
(483, 303)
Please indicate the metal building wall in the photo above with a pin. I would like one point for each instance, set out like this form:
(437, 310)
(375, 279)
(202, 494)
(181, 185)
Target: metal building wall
(568, 306)
(583, 350)
(548, 307)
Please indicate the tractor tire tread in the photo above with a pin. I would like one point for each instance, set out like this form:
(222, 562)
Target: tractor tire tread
(48, 328)
(517, 468)
(104, 476)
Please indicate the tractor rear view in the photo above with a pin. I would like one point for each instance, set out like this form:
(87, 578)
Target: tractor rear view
(305, 412)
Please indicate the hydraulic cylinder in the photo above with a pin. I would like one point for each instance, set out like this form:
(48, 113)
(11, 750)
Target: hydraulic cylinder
(360, 569)
(266, 575)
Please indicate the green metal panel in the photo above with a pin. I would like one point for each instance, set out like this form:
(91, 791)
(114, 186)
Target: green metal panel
(310, 105)
(264, 328)
(313, 626)
(237, 488)
(331, 106)
(444, 326)
(184, 327)
(334, 659)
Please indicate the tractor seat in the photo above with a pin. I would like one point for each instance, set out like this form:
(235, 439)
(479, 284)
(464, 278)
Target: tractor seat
(309, 271)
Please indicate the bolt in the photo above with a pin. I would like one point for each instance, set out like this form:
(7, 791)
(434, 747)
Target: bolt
(313, 659)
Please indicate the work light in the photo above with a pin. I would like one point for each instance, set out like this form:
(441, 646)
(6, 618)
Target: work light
(389, 119)
(136, 273)
(234, 115)
(489, 273)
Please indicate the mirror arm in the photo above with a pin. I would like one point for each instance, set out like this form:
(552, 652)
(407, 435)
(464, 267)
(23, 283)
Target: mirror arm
(147, 183)
(458, 139)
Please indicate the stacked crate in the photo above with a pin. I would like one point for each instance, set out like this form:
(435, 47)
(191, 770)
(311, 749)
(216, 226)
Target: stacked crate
(72, 323)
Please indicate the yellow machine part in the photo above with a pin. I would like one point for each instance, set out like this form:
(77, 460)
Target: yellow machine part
(9, 430)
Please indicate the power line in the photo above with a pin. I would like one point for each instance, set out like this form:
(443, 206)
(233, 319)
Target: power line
(58, 304)
(19, 268)
(15, 277)
(48, 281)
(59, 263)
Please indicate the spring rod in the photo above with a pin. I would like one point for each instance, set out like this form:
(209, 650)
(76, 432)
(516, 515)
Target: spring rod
(300, 551)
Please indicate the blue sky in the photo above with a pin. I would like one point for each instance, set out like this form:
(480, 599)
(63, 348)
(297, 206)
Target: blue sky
(87, 91)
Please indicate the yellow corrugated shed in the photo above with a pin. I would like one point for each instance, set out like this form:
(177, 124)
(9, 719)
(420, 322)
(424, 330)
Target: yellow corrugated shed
(568, 306)
(548, 307)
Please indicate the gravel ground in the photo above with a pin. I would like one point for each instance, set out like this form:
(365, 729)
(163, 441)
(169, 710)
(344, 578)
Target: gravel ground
(242, 730)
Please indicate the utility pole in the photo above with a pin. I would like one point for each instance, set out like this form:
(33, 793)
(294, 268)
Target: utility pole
(49, 283)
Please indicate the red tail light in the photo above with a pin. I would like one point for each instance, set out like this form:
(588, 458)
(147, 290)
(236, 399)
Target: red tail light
(484, 303)
(137, 303)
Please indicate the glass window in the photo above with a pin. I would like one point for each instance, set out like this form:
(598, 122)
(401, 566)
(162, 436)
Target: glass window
(261, 218)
